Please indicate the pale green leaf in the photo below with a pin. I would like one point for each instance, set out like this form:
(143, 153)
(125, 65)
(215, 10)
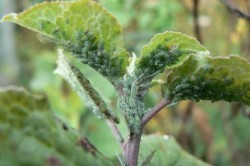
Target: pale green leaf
(206, 78)
(167, 152)
(83, 87)
(147, 160)
(166, 50)
(31, 135)
(83, 28)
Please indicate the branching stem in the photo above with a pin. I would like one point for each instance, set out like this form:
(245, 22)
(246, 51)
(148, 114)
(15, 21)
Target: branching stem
(151, 113)
(133, 143)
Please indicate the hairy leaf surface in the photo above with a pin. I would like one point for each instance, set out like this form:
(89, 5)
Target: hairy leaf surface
(83, 28)
(83, 87)
(167, 152)
(31, 135)
(206, 78)
(166, 50)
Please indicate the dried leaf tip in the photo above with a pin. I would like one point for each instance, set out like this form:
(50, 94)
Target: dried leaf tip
(9, 17)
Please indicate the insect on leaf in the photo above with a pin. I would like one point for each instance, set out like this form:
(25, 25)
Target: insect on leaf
(207, 78)
(83, 87)
(166, 50)
(84, 28)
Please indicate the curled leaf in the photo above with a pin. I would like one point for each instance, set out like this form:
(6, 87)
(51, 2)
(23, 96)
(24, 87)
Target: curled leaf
(206, 78)
(166, 50)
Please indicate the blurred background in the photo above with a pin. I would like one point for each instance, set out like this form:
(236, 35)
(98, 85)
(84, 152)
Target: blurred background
(218, 133)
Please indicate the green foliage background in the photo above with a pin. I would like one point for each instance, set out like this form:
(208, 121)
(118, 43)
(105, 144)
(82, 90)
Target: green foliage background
(217, 133)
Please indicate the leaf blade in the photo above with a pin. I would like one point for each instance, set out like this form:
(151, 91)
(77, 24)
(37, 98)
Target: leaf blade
(83, 28)
(167, 152)
(83, 88)
(166, 50)
(29, 128)
(208, 78)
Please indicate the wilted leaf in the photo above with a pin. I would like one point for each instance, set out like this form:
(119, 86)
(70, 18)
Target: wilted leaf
(205, 78)
(83, 28)
(167, 152)
(31, 135)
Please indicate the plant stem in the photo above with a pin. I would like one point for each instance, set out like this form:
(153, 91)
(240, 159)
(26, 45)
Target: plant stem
(133, 143)
(112, 125)
(157, 108)
(197, 28)
(235, 9)
(132, 149)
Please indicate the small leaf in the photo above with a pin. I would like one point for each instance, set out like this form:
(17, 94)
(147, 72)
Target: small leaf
(167, 152)
(83, 87)
(83, 28)
(206, 78)
(166, 50)
(31, 135)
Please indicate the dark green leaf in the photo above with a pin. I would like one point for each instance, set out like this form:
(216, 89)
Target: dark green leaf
(166, 50)
(206, 78)
(31, 135)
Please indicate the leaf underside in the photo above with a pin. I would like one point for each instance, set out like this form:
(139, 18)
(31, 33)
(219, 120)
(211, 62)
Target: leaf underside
(83, 87)
(84, 28)
(31, 135)
(206, 78)
(166, 50)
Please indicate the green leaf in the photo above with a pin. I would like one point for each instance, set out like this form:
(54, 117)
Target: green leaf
(148, 159)
(83, 87)
(167, 152)
(166, 50)
(83, 28)
(206, 78)
(31, 135)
